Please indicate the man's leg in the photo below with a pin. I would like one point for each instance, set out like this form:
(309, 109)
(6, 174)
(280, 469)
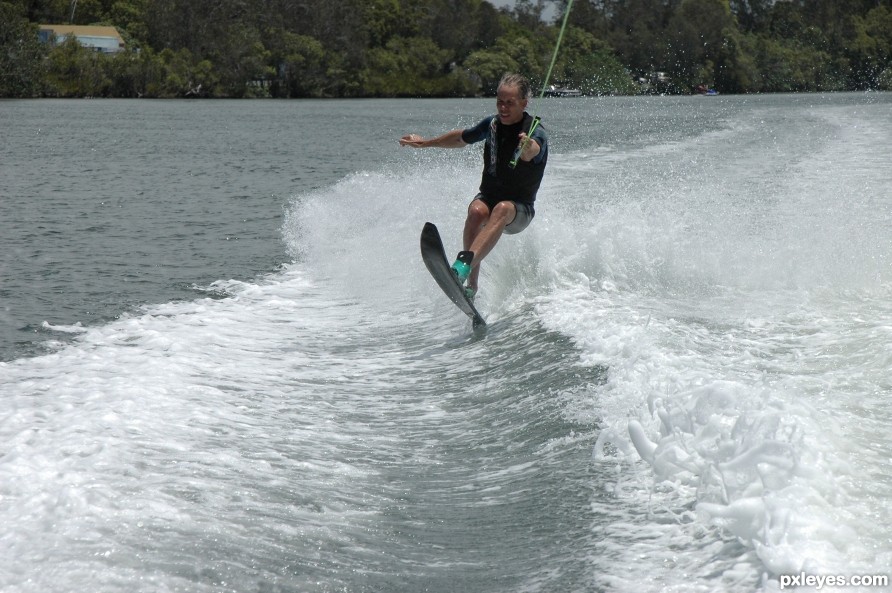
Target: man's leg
(483, 230)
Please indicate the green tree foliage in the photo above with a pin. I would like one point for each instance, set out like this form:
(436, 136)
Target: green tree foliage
(385, 48)
(787, 66)
(487, 67)
(74, 71)
(411, 67)
(514, 52)
(870, 52)
(21, 55)
(588, 64)
(301, 65)
(130, 19)
(136, 74)
(695, 35)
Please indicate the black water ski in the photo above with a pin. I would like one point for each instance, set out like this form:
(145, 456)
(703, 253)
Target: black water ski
(434, 257)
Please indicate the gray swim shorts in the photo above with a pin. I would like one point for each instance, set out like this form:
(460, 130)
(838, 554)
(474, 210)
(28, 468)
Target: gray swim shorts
(522, 219)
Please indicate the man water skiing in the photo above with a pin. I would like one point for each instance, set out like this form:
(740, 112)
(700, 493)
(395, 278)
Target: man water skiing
(513, 165)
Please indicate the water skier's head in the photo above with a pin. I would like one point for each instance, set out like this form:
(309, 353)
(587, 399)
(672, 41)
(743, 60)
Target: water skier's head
(512, 97)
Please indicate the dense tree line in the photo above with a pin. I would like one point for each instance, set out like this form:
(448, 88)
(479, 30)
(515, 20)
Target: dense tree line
(397, 48)
(749, 45)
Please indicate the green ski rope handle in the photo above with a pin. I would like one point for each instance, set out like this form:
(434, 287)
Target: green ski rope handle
(522, 145)
(536, 119)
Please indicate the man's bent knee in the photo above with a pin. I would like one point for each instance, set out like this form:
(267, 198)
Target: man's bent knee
(478, 212)
(504, 211)
(478, 208)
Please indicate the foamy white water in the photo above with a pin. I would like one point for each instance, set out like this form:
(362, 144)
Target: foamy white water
(739, 289)
(682, 387)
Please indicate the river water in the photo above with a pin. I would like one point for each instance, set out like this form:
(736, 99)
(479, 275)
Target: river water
(226, 368)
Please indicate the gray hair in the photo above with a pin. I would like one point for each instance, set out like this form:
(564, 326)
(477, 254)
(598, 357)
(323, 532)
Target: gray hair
(519, 81)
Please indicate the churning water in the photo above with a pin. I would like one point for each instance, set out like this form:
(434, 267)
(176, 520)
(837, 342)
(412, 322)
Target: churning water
(227, 368)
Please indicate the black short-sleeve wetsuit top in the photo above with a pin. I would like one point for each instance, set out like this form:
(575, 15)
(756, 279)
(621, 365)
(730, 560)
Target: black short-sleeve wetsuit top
(500, 181)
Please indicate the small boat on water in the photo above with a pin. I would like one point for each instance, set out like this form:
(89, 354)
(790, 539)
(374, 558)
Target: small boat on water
(554, 91)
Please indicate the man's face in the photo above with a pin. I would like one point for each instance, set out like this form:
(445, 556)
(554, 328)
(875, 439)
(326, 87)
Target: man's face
(509, 104)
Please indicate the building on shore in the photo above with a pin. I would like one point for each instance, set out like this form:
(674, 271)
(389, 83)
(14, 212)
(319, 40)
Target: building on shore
(106, 40)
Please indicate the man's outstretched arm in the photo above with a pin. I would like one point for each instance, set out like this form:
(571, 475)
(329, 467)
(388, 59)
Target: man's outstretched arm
(448, 140)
